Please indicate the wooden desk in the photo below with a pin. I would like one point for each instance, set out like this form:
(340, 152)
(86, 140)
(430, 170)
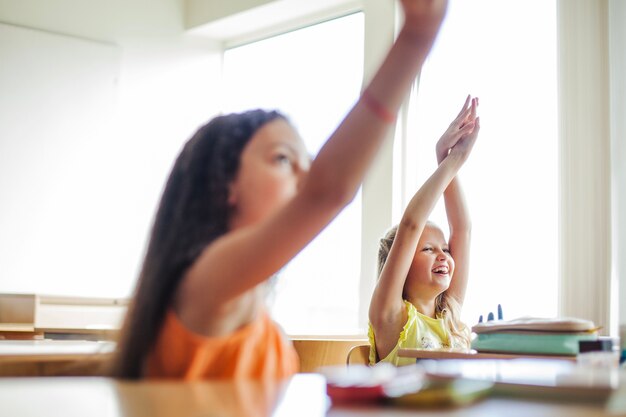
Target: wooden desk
(86, 358)
(470, 354)
(302, 396)
(53, 357)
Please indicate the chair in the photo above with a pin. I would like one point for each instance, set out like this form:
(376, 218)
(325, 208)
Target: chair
(359, 355)
(318, 351)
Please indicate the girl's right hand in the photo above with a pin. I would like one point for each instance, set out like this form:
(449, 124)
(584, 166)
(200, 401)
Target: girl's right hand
(424, 17)
(464, 146)
(461, 134)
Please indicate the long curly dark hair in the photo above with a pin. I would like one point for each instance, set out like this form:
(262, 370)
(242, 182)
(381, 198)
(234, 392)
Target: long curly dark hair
(193, 212)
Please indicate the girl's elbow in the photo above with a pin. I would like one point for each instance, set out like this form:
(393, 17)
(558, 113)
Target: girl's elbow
(409, 224)
(344, 196)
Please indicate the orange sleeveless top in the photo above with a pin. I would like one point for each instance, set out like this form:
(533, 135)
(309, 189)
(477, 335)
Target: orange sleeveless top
(258, 350)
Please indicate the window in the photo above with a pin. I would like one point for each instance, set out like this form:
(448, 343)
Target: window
(314, 76)
(486, 49)
(511, 180)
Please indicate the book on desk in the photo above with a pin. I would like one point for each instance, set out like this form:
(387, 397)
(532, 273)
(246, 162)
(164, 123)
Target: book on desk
(530, 337)
(534, 336)
(531, 377)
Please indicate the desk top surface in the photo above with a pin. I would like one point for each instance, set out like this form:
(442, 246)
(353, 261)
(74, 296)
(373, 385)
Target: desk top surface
(471, 354)
(51, 350)
(304, 395)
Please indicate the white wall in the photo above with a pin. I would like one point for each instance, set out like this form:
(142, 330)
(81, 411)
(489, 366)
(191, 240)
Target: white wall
(241, 21)
(166, 85)
(617, 62)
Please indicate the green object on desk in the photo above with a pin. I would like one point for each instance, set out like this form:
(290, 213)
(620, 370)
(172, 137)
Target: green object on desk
(549, 344)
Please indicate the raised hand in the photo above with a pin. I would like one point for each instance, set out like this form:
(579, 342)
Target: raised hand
(462, 132)
(464, 146)
(424, 17)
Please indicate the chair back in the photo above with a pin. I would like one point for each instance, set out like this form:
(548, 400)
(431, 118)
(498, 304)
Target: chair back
(359, 355)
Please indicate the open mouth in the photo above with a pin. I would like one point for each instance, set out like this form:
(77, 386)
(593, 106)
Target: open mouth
(441, 270)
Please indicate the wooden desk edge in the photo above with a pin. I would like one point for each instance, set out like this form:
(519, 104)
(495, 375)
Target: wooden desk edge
(437, 354)
(55, 357)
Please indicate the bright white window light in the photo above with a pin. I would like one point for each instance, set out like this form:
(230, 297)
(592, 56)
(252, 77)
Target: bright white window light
(314, 76)
(504, 53)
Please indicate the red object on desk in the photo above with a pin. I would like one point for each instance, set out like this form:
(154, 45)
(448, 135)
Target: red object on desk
(353, 393)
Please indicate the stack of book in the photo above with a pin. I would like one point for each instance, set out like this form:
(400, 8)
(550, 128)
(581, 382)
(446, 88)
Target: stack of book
(530, 335)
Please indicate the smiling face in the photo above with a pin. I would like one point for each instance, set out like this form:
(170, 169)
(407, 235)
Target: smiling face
(273, 166)
(432, 267)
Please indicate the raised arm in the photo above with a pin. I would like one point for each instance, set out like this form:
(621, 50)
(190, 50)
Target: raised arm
(246, 257)
(456, 208)
(387, 312)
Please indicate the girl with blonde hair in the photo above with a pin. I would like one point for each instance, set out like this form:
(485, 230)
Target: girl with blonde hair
(423, 277)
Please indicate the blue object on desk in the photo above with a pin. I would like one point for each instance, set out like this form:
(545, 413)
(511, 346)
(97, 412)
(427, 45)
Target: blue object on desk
(490, 316)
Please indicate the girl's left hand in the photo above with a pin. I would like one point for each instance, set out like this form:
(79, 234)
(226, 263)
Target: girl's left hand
(463, 125)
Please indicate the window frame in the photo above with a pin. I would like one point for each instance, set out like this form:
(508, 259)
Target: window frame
(584, 107)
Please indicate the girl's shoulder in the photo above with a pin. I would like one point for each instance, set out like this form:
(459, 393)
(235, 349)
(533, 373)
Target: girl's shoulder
(413, 314)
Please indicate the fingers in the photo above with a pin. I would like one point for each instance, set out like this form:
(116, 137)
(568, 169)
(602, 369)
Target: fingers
(471, 133)
(469, 139)
(473, 108)
(470, 113)
(463, 126)
(476, 127)
(457, 136)
(466, 129)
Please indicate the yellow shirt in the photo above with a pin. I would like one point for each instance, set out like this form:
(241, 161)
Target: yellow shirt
(420, 331)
